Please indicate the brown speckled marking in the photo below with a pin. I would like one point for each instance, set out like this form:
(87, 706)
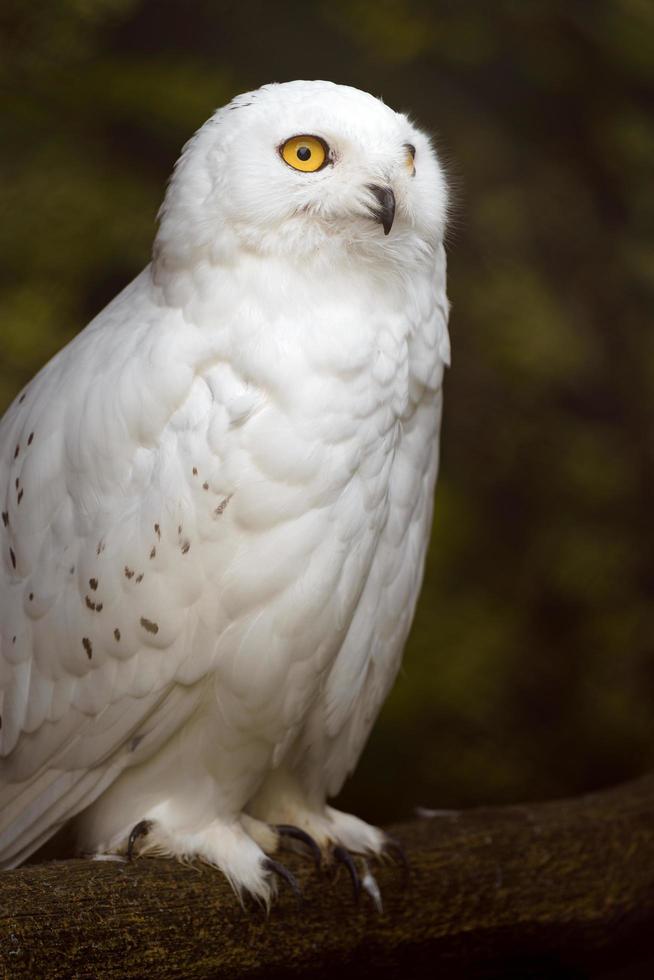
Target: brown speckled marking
(94, 606)
(222, 506)
(31, 597)
(88, 646)
(5, 518)
(148, 625)
(16, 451)
(30, 439)
(139, 578)
(13, 639)
(186, 547)
(128, 572)
(17, 483)
(12, 556)
(100, 548)
(117, 635)
(205, 485)
(195, 471)
(93, 582)
(157, 531)
(153, 553)
(20, 496)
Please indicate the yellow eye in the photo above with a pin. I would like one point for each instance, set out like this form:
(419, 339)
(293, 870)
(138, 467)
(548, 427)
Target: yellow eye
(410, 158)
(305, 153)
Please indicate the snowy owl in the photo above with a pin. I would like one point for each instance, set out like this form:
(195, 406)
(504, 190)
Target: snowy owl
(216, 500)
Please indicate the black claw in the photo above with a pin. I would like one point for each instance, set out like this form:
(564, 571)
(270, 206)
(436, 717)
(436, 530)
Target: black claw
(141, 829)
(393, 847)
(344, 857)
(285, 874)
(296, 833)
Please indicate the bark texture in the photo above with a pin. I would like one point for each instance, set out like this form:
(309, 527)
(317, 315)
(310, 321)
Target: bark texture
(560, 889)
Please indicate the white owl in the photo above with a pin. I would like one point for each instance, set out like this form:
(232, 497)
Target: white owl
(216, 500)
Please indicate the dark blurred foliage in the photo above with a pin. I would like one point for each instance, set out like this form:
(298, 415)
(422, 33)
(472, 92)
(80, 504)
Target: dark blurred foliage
(530, 671)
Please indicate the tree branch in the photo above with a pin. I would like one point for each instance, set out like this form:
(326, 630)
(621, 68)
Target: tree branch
(539, 889)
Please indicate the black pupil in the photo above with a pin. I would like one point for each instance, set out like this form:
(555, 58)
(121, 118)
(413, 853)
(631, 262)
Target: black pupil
(304, 153)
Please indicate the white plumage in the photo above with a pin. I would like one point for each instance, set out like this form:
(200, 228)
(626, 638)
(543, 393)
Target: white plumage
(216, 500)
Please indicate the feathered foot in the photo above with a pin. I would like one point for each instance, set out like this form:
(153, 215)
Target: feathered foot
(239, 848)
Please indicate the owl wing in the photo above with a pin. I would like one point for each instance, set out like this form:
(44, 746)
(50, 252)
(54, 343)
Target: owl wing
(370, 657)
(99, 576)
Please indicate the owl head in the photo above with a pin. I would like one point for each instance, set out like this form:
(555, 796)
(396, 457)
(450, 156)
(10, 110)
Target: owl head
(306, 169)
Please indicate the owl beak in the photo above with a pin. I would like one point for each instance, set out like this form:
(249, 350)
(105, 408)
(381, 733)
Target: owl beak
(385, 213)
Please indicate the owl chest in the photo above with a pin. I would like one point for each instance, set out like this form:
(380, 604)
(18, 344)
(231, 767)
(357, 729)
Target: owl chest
(307, 413)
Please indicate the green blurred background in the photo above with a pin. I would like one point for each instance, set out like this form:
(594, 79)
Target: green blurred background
(530, 670)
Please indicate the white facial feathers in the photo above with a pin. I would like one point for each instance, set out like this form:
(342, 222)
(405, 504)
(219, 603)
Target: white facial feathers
(232, 189)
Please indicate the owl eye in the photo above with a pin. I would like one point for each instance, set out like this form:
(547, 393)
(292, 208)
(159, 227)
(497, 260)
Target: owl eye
(305, 153)
(410, 157)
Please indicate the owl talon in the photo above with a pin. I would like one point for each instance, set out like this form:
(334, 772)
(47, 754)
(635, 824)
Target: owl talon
(141, 829)
(369, 884)
(395, 850)
(278, 869)
(296, 833)
(343, 856)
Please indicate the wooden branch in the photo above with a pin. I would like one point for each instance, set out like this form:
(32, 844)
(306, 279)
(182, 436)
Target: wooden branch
(538, 890)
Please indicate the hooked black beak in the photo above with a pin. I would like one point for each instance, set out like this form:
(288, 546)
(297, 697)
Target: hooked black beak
(385, 214)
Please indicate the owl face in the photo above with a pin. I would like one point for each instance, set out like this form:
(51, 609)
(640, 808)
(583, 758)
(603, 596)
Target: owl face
(306, 167)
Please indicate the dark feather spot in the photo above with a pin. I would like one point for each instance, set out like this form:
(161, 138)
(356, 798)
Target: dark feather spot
(89, 602)
(139, 578)
(186, 547)
(153, 553)
(205, 486)
(30, 439)
(86, 643)
(22, 398)
(220, 509)
(100, 548)
(128, 572)
(93, 582)
(17, 483)
(157, 531)
(20, 496)
(13, 639)
(148, 625)
(179, 528)
(72, 569)
(12, 556)
(195, 471)
(16, 451)
(31, 597)
(5, 518)
(117, 635)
